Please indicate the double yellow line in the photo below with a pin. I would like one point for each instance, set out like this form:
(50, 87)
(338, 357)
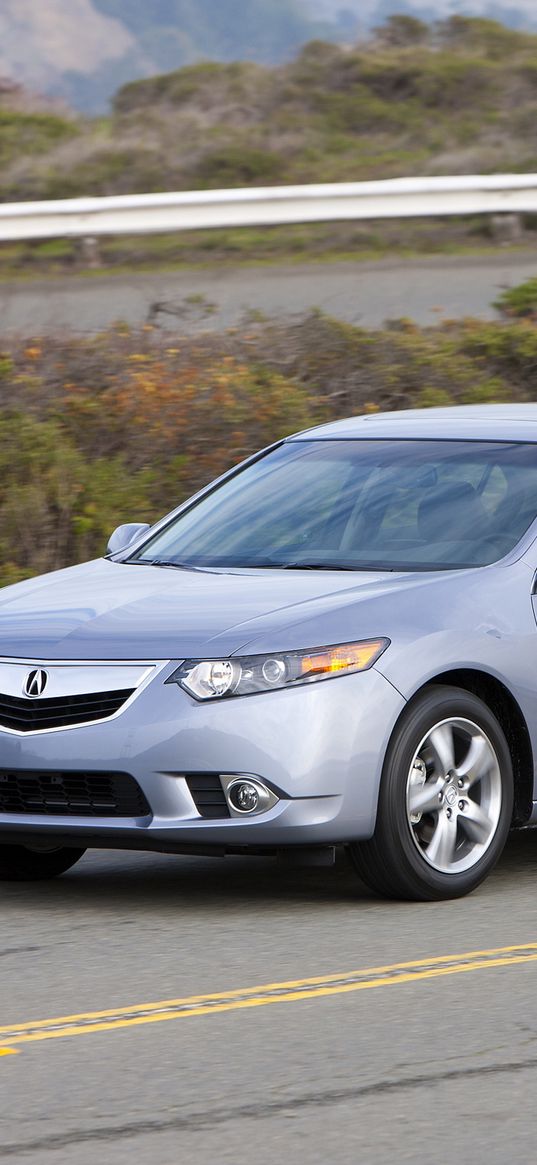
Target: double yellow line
(292, 991)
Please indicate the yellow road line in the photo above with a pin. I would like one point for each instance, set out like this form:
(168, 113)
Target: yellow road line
(261, 996)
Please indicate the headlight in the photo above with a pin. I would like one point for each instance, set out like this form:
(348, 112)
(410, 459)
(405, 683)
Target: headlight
(211, 679)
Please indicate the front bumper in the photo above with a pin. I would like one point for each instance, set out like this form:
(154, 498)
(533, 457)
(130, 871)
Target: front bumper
(320, 747)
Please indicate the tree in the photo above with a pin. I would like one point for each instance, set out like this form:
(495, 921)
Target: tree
(401, 30)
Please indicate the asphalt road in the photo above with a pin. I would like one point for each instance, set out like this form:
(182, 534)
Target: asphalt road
(362, 293)
(430, 1063)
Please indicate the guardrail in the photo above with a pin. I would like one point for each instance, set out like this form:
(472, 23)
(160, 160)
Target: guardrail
(496, 194)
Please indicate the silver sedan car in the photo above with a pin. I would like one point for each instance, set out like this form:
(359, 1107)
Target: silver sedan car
(334, 644)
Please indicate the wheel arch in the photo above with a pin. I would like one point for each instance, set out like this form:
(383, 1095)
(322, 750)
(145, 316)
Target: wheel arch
(512, 720)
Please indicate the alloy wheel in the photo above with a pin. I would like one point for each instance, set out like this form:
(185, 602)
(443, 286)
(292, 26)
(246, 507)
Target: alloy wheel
(454, 795)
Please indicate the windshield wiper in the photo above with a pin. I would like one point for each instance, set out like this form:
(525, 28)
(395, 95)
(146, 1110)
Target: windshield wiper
(306, 566)
(338, 566)
(165, 562)
(316, 566)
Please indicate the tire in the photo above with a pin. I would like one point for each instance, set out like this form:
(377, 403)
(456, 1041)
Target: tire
(445, 802)
(20, 864)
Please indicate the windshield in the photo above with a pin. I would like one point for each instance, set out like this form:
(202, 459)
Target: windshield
(361, 505)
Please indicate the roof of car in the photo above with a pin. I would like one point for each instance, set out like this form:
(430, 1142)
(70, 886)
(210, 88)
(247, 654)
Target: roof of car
(494, 422)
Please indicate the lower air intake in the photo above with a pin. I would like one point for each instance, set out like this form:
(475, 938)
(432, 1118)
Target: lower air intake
(208, 794)
(77, 794)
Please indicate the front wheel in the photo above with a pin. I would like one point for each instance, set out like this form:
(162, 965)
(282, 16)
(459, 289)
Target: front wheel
(446, 800)
(18, 863)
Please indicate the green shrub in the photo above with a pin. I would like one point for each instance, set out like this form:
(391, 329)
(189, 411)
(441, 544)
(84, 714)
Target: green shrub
(106, 171)
(184, 85)
(124, 425)
(519, 301)
(55, 506)
(489, 37)
(440, 81)
(401, 30)
(237, 165)
(31, 133)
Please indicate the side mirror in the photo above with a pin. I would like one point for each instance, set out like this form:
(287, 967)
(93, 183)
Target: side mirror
(124, 535)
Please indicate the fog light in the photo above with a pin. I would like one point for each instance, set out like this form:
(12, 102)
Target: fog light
(244, 796)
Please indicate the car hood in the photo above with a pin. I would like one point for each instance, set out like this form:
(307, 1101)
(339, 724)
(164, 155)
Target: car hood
(108, 610)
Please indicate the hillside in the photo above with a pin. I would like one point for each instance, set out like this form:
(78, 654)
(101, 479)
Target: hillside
(452, 98)
(81, 50)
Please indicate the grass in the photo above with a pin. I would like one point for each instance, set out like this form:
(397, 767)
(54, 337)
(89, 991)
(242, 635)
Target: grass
(264, 246)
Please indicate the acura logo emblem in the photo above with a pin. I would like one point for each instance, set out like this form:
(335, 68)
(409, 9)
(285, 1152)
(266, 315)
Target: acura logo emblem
(36, 682)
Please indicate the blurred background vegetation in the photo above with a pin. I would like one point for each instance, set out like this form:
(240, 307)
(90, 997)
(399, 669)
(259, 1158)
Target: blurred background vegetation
(457, 96)
(125, 425)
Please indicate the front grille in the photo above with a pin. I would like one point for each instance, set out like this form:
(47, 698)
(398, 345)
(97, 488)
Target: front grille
(71, 794)
(208, 794)
(60, 712)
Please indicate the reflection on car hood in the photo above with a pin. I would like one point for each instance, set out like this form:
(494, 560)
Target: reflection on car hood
(107, 610)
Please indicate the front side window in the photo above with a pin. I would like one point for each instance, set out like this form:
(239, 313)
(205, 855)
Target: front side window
(361, 505)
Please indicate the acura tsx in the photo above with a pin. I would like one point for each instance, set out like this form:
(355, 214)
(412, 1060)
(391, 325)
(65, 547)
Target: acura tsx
(335, 644)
